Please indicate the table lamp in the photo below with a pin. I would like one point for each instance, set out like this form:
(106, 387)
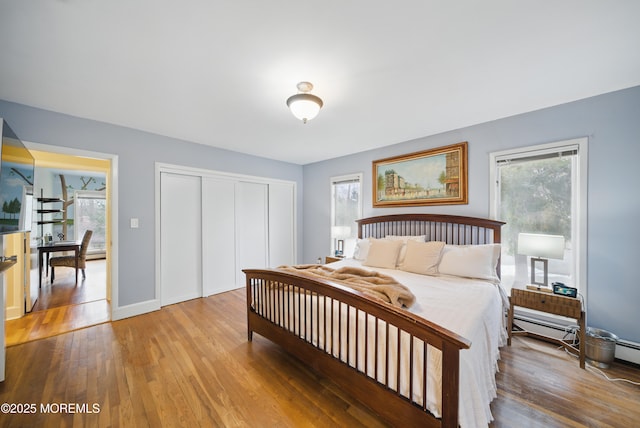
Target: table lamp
(338, 233)
(540, 248)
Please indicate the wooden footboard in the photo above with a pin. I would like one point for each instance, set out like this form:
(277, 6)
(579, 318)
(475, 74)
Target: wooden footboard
(355, 341)
(349, 337)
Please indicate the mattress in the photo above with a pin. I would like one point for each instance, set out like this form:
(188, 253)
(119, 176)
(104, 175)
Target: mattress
(471, 308)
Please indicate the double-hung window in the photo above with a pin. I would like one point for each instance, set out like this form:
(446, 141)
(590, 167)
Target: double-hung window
(346, 208)
(541, 190)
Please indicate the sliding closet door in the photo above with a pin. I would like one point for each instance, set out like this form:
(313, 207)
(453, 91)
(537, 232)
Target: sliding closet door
(180, 237)
(213, 225)
(219, 235)
(251, 227)
(281, 224)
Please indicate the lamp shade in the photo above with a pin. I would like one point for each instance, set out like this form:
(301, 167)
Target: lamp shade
(540, 245)
(339, 232)
(304, 106)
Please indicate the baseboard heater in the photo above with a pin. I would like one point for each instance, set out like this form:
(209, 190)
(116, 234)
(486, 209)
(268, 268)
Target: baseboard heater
(626, 351)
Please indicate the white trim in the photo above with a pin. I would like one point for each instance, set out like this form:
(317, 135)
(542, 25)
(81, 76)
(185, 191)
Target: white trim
(68, 151)
(135, 309)
(201, 172)
(113, 188)
(13, 312)
(583, 156)
(157, 259)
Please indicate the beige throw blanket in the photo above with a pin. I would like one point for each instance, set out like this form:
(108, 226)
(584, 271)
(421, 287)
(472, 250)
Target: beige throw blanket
(373, 284)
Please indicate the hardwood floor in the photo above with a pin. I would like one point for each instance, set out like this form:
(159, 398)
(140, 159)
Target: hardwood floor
(190, 365)
(540, 385)
(64, 291)
(64, 306)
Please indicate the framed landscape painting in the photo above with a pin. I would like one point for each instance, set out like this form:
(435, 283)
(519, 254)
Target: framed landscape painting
(431, 177)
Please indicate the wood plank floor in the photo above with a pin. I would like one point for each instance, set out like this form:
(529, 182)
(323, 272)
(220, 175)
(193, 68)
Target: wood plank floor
(190, 365)
(64, 291)
(64, 306)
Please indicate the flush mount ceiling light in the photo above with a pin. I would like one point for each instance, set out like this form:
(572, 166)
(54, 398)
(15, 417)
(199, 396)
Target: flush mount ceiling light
(304, 106)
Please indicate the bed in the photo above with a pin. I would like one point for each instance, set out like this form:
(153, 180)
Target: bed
(432, 364)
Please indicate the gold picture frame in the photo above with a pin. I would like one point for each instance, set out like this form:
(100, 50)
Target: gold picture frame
(430, 177)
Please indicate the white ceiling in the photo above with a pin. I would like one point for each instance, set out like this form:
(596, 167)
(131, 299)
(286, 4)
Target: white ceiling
(219, 72)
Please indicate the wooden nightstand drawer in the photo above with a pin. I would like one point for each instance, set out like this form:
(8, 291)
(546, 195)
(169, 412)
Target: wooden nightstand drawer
(551, 303)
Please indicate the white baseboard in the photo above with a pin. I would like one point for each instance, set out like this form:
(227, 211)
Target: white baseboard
(625, 350)
(13, 312)
(135, 309)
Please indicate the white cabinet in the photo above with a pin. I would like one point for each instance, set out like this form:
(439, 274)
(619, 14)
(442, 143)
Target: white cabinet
(243, 222)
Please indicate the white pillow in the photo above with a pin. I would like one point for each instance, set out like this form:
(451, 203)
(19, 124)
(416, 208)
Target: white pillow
(404, 239)
(422, 257)
(362, 249)
(470, 261)
(383, 253)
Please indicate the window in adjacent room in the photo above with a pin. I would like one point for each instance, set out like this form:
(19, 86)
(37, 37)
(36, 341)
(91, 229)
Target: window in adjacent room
(542, 190)
(90, 214)
(346, 208)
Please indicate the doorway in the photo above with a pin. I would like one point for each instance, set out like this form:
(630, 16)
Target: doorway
(83, 182)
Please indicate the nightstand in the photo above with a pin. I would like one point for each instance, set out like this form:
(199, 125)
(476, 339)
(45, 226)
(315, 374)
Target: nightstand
(331, 259)
(569, 307)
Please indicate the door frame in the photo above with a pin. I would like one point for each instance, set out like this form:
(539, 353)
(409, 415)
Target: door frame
(112, 211)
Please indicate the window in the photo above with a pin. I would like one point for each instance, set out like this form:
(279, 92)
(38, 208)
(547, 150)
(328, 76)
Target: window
(90, 213)
(346, 208)
(542, 190)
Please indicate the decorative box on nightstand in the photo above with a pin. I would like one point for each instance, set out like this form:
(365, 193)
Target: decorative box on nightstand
(553, 304)
(331, 259)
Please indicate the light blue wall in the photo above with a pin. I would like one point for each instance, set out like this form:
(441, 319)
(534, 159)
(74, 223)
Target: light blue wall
(137, 153)
(612, 124)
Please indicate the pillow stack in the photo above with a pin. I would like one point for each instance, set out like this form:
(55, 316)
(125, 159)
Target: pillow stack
(413, 254)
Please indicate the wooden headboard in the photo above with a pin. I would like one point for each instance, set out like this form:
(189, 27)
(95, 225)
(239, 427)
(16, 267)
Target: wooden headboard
(452, 229)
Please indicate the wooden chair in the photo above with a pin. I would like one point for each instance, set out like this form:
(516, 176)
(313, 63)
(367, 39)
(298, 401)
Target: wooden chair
(70, 261)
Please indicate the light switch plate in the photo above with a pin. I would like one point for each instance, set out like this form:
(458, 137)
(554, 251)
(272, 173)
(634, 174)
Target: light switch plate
(134, 223)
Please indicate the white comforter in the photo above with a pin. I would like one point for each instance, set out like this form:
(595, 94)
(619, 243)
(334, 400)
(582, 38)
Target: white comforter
(474, 309)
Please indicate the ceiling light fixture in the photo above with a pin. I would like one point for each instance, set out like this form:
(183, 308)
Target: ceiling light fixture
(304, 106)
